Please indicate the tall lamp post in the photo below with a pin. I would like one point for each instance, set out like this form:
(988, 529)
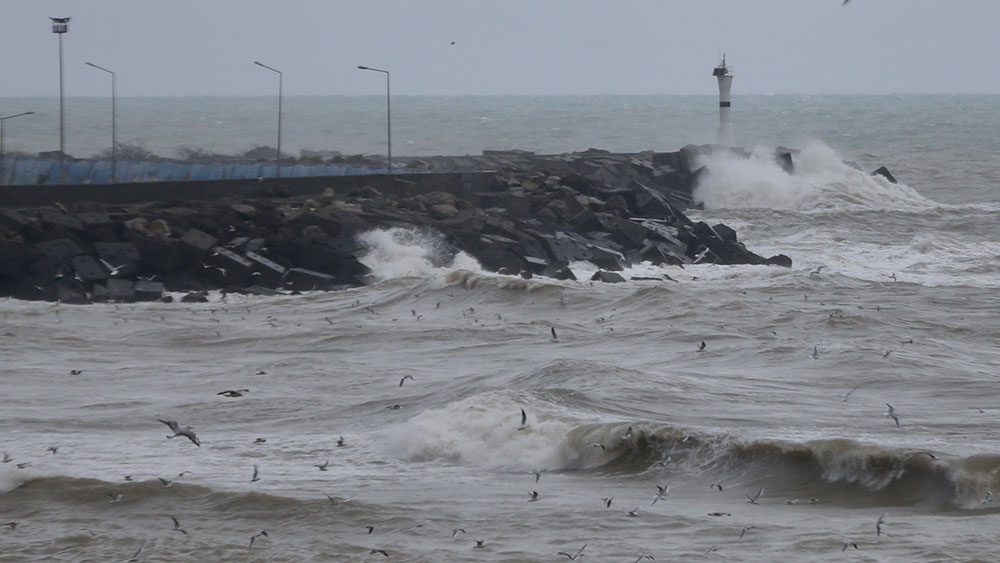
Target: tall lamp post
(388, 113)
(277, 162)
(60, 26)
(3, 158)
(114, 137)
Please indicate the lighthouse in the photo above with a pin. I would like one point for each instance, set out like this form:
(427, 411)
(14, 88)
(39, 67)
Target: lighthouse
(725, 76)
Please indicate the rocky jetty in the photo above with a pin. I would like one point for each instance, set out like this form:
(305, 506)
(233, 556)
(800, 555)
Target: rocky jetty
(536, 216)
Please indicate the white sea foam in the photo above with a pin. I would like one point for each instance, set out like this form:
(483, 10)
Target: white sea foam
(411, 252)
(483, 431)
(821, 181)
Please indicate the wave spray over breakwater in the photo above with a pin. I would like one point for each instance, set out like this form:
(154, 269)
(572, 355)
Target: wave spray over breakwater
(786, 403)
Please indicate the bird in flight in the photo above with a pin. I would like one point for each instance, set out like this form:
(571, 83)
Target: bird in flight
(255, 536)
(405, 377)
(892, 414)
(575, 556)
(756, 497)
(187, 432)
(524, 420)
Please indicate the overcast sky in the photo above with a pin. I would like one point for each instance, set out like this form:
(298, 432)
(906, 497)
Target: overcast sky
(207, 47)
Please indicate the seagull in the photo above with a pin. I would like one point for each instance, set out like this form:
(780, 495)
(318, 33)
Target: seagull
(815, 354)
(644, 556)
(11, 525)
(701, 347)
(607, 501)
(381, 551)
(113, 270)
(743, 532)
(756, 497)
(456, 531)
(22, 465)
(370, 528)
(260, 440)
(634, 513)
(878, 525)
(52, 449)
(186, 431)
(524, 420)
(886, 355)
(817, 270)
(627, 435)
(479, 544)
(323, 466)
(340, 441)
(575, 556)
(597, 446)
(719, 514)
(988, 498)
(663, 490)
(716, 486)
(554, 337)
(177, 526)
(255, 536)
(534, 496)
(75, 372)
(848, 394)
(7, 458)
(847, 545)
(395, 407)
(165, 482)
(135, 556)
(233, 393)
(537, 474)
(892, 414)
(127, 477)
(114, 498)
(405, 377)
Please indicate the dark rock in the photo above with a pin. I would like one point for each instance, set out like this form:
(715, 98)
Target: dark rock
(195, 244)
(195, 297)
(13, 259)
(884, 172)
(148, 290)
(607, 277)
(71, 295)
(88, 269)
(121, 291)
(52, 218)
(779, 260)
(62, 248)
(559, 271)
(264, 272)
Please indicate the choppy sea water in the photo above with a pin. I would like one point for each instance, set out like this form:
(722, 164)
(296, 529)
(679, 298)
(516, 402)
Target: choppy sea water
(789, 395)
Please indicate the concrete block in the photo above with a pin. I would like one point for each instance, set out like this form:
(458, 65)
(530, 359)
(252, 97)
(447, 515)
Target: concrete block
(62, 248)
(301, 279)
(88, 269)
(52, 218)
(195, 244)
(264, 271)
(607, 277)
(148, 290)
(116, 252)
(121, 291)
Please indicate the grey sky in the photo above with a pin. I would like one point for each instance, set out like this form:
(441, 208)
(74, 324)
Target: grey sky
(207, 47)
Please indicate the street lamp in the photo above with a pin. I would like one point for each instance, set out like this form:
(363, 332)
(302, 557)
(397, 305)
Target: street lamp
(60, 26)
(388, 112)
(114, 138)
(3, 159)
(277, 162)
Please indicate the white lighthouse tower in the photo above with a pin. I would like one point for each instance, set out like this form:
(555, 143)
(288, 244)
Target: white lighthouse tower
(725, 76)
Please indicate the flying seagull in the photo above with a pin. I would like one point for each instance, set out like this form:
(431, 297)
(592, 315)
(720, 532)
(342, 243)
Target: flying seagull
(575, 556)
(233, 393)
(849, 544)
(524, 420)
(178, 431)
(456, 531)
(701, 347)
(379, 551)
(322, 467)
(892, 414)
(340, 441)
(405, 377)
(878, 525)
(135, 556)
(607, 501)
(534, 496)
(743, 532)
(255, 477)
(554, 337)
(177, 526)
(815, 354)
(255, 536)
(756, 497)
(663, 490)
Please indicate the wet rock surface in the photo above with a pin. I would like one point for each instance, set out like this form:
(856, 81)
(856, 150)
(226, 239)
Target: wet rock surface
(540, 214)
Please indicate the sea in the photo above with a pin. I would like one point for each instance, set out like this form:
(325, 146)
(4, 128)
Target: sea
(449, 414)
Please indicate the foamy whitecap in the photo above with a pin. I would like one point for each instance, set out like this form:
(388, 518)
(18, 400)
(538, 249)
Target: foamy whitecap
(412, 252)
(821, 181)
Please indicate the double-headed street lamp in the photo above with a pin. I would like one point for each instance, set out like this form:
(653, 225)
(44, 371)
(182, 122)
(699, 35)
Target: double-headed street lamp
(388, 113)
(3, 159)
(277, 165)
(114, 137)
(60, 26)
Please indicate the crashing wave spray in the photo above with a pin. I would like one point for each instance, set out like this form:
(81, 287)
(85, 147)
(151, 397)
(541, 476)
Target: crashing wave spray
(821, 181)
(410, 252)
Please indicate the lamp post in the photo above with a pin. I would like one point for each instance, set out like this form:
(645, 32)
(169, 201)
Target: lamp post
(114, 137)
(277, 162)
(60, 26)
(388, 113)
(3, 158)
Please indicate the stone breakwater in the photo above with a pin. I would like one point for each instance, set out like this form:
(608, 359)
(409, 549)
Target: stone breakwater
(535, 216)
